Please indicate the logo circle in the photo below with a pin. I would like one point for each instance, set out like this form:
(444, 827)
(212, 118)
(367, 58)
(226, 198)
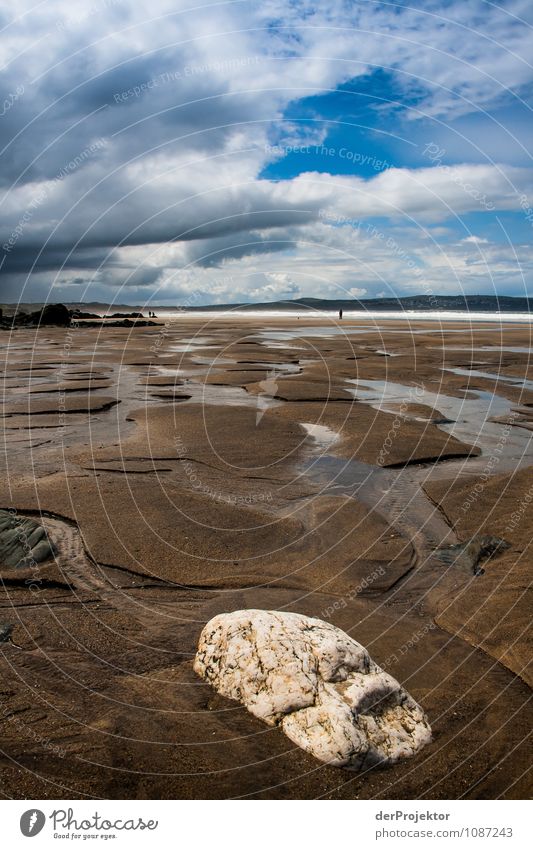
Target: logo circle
(32, 822)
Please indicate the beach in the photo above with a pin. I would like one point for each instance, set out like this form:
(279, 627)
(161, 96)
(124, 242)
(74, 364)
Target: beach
(372, 472)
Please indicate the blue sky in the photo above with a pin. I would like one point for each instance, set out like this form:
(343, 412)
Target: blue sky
(234, 151)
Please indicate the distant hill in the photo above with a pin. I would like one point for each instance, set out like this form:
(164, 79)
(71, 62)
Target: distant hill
(86, 306)
(430, 303)
(468, 303)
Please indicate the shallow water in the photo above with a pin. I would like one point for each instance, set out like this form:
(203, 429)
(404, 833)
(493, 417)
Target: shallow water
(189, 345)
(395, 494)
(323, 332)
(322, 435)
(504, 378)
(275, 338)
(214, 362)
(510, 349)
(470, 415)
(398, 494)
(276, 368)
(208, 393)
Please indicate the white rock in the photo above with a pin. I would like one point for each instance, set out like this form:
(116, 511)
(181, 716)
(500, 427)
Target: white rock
(316, 683)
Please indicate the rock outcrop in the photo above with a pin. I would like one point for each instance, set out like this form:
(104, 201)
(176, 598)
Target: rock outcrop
(58, 315)
(23, 542)
(51, 314)
(316, 683)
(469, 555)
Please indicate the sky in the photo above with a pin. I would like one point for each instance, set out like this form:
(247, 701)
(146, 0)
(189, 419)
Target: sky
(190, 153)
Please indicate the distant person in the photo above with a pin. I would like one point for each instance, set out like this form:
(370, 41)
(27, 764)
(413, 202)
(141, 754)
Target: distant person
(340, 315)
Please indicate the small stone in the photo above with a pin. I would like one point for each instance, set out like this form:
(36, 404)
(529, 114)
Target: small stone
(6, 629)
(316, 683)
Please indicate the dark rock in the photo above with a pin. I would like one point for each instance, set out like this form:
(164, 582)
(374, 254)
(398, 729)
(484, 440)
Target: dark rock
(6, 629)
(54, 314)
(23, 542)
(127, 322)
(77, 314)
(57, 314)
(469, 555)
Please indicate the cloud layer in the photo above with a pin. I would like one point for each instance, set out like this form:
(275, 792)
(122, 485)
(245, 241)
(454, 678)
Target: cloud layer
(134, 143)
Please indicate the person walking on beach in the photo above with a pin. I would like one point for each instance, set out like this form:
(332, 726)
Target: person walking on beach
(340, 315)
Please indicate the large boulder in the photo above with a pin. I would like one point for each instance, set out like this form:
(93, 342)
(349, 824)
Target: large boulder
(56, 314)
(53, 314)
(314, 682)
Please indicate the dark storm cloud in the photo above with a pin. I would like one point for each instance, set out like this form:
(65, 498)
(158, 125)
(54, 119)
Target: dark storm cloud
(56, 119)
(216, 251)
(24, 260)
(81, 239)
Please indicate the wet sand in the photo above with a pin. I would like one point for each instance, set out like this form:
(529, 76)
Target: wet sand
(336, 470)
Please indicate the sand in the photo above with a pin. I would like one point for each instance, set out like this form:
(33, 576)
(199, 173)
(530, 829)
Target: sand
(212, 465)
